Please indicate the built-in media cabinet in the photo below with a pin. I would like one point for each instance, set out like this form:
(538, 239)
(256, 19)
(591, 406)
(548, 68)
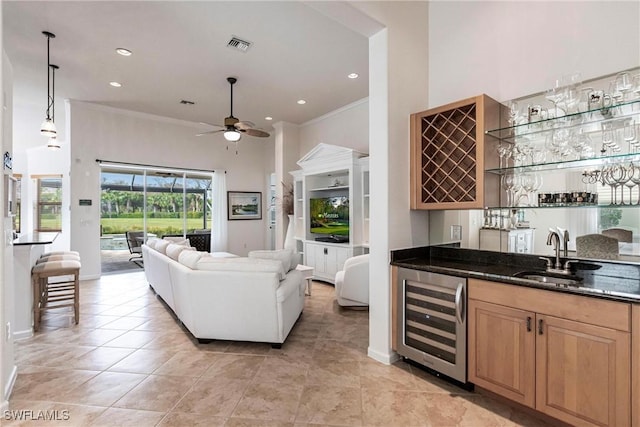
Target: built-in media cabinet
(331, 209)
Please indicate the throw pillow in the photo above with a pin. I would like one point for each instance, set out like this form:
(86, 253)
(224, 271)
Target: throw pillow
(282, 255)
(189, 258)
(178, 240)
(173, 250)
(242, 265)
(152, 242)
(161, 246)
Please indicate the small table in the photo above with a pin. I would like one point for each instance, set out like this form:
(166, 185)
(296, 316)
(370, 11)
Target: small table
(307, 274)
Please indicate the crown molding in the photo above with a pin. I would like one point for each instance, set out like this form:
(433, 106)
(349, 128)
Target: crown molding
(336, 112)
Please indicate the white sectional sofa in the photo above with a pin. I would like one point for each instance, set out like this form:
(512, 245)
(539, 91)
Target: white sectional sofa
(223, 297)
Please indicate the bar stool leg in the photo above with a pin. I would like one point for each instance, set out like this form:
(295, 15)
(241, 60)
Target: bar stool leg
(76, 298)
(37, 298)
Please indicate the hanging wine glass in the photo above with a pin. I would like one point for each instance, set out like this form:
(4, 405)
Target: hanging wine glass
(632, 171)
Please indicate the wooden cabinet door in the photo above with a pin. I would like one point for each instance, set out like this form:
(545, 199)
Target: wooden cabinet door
(502, 350)
(583, 372)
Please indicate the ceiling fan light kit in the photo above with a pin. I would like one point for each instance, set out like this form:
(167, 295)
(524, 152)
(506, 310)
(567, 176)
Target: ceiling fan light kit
(232, 135)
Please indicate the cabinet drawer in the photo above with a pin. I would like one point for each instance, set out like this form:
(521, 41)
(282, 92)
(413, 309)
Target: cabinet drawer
(594, 311)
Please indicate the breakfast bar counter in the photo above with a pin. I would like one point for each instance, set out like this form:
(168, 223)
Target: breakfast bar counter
(26, 251)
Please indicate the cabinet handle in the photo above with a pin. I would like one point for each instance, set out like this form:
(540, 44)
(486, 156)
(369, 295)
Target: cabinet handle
(325, 251)
(528, 323)
(540, 327)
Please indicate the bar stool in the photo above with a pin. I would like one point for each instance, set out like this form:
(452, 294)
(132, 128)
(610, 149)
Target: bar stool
(60, 253)
(62, 257)
(64, 293)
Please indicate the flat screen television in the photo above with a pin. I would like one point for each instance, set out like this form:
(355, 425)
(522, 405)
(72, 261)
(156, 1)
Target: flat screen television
(329, 216)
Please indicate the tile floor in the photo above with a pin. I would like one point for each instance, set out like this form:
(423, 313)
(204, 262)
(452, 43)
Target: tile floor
(130, 363)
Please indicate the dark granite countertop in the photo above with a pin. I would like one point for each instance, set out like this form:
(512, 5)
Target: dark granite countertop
(611, 280)
(36, 238)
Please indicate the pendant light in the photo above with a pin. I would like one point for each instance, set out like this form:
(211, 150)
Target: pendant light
(48, 127)
(53, 141)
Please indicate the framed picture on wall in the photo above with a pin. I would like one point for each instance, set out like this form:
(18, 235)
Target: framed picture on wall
(244, 205)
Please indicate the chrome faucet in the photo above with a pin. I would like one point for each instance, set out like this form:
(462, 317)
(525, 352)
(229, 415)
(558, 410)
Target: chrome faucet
(554, 239)
(564, 235)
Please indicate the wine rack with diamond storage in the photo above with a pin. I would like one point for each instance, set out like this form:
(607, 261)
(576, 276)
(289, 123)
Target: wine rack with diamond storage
(448, 155)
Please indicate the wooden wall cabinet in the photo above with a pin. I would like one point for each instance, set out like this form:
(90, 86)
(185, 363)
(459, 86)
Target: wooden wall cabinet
(448, 157)
(564, 355)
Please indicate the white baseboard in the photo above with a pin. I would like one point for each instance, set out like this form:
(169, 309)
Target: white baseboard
(90, 277)
(23, 335)
(386, 358)
(9, 387)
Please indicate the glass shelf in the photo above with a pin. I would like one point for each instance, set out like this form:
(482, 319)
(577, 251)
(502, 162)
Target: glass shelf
(335, 187)
(578, 206)
(569, 164)
(590, 121)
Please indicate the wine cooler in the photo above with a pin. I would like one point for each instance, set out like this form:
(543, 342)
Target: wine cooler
(432, 321)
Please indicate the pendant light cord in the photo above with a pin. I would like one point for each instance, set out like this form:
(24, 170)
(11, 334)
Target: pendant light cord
(48, 85)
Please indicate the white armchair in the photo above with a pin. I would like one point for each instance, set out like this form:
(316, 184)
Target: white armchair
(352, 283)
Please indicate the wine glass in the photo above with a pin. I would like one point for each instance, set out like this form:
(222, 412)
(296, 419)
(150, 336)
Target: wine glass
(555, 95)
(504, 151)
(630, 134)
(632, 171)
(620, 86)
(508, 181)
(514, 113)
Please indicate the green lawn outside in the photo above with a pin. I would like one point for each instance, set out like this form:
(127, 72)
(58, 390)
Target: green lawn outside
(159, 226)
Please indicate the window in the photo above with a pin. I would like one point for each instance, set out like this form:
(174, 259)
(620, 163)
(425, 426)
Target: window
(18, 202)
(49, 208)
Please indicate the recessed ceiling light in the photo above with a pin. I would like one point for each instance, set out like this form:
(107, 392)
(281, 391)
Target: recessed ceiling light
(353, 76)
(268, 118)
(301, 101)
(124, 52)
(115, 84)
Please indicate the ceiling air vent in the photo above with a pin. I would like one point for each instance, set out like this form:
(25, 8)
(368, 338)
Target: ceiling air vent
(239, 44)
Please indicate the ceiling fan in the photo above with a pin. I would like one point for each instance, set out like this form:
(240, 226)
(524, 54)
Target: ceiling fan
(233, 128)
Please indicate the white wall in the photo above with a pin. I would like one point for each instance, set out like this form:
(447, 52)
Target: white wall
(346, 127)
(512, 49)
(398, 71)
(7, 286)
(98, 132)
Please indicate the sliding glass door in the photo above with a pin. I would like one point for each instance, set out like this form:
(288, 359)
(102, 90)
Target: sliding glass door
(156, 201)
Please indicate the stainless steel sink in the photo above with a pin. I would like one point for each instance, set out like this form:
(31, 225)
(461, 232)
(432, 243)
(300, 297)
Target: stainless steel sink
(550, 279)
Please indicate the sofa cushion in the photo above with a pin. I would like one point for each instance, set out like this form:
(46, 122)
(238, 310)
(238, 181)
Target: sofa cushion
(190, 258)
(242, 265)
(161, 246)
(174, 250)
(152, 242)
(178, 240)
(282, 255)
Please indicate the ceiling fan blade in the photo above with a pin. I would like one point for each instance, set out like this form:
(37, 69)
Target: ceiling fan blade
(210, 124)
(209, 132)
(244, 125)
(256, 132)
